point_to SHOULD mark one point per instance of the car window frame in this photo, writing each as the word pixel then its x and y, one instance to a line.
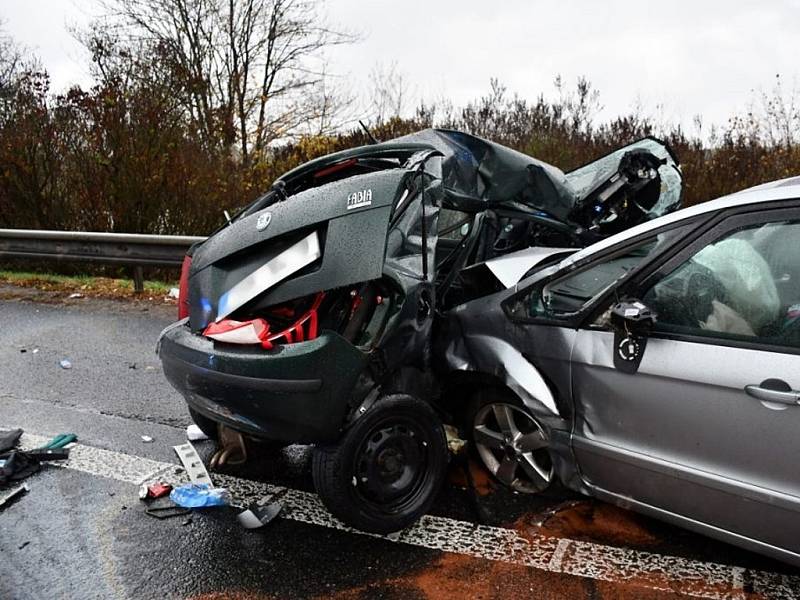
pixel 725 223
pixel 578 318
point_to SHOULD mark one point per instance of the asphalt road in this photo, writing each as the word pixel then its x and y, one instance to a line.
pixel 81 531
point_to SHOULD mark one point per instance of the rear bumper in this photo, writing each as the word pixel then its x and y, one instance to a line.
pixel 296 393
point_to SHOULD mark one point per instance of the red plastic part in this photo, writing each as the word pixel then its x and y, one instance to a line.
pixel 337 167
pixel 156 490
pixel 183 288
pixel 305 328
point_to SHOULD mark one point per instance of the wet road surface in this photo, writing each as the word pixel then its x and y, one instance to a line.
pixel 81 531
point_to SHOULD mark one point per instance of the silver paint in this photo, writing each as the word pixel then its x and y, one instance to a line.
pixel 509 269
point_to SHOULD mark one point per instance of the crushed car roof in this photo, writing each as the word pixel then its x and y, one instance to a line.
pixel 478 174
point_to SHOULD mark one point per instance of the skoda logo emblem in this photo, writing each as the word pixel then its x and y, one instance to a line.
pixel 263 221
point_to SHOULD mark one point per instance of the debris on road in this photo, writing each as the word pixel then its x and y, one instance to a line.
pixel 454 442
pixel 174 293
pixel 9 439
pixel 16 465
pixel 65 364
pixel 199 495
pixel 154 490
pixel 195 434
pixel 48 454
pixel 256 516
pixel 62 440
pixel 192 463
pixel 21 489
pixel 166 512
pixel 75 295
pixel 147 439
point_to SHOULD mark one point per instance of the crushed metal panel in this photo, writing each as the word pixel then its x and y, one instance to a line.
pixel 510 268
pixel 478 174
pixel 520 374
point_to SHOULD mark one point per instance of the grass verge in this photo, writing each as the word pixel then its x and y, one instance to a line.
pixel 105 287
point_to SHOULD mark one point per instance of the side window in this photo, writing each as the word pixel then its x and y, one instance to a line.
pixel 745 285
pixel 566 295
pixel 453 224
pixel 453 227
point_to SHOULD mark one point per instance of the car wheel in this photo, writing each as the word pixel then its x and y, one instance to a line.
pixel 206 425
pixel 385 471
pixel 511 443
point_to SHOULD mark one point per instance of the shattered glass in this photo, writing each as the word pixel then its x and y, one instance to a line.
pixel 587 178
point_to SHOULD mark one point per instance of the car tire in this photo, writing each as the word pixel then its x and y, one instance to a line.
pixel 509 441
pixel 385 471
pixel 206 425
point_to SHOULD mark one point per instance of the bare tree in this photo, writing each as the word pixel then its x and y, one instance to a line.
pixel 14 62
pixel 11 57
pixel 253 69
pixel 389 92
pixel 580 105
pixel 779 118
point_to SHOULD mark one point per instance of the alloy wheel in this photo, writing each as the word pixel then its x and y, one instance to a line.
pixel 513 446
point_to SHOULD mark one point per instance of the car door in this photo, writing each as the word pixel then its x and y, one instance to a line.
pixel 707 429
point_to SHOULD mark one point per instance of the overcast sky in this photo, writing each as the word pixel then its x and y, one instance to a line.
pixel 701 57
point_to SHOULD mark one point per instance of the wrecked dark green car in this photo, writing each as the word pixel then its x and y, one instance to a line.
pixel 309 317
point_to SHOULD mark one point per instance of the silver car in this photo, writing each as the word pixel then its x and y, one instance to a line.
pixel 658 369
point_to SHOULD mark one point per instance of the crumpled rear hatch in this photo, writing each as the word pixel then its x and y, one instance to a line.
pixel 318 239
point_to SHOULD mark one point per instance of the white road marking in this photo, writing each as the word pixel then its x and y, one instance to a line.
pixel 557 555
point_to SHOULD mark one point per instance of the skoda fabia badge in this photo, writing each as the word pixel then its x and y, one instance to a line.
pixel 263 221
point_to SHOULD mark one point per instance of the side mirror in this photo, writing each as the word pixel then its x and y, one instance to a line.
pixel 632 322
pixel 633 317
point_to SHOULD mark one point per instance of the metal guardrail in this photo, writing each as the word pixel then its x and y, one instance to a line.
pixel 129 249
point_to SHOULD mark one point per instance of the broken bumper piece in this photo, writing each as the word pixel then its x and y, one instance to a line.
pixel 296 392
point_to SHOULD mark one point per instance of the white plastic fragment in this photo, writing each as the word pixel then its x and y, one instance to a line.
pixel 21 489
pixel 147 439
pixel 248 520
pixel 75 295
pixel 65 364
pixel 257 516
pixel 174 293
pixel 195 434
pixel 192 463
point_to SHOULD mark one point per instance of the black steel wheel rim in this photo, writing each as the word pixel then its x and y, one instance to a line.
pixel 391 465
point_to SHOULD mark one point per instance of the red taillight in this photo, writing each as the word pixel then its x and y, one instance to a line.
pixel 183 288
pixel 334 168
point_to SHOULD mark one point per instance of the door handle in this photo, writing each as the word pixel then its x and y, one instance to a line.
pixel 765 394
